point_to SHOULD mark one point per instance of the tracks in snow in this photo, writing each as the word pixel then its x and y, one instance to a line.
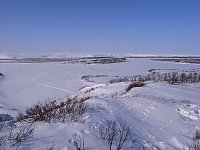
pixel 53 87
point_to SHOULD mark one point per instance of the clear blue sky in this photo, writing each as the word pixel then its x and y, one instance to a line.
pixel 136 26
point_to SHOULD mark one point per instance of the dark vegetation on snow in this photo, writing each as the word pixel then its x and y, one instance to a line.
pixel 82 60
pixel 174 77
pixel 69 109
pixel 1 74
pixel 100 59
pixel 171 78
pixel 180 60
pixel 135 84
pixel 196 141
pixel 116 135
pixel 14 131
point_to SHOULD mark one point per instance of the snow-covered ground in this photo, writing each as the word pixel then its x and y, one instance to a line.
pixel 161 116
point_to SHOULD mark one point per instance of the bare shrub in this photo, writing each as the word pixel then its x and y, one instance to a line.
pixel 51 147
pixel 71 109
pixel 2 141
pixel 2 123
pixel 197 135
pixel 135 84
pixel 173 78
pixel 4 135
pixel 15 134
pixel 196 141
pixel 21 133
pixel 195 145
pixel 52 111
pixel 117 135
pixel 78 142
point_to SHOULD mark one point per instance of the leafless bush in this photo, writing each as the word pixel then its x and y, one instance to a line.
pixel 176 78
pixel 71 110
pixel 195 145
pixel 117 134
pixel 52 111
pixel 78 142
pixel 2 141
pixel 196 135
pixel 2 125
pixel 15 134
pixel 135 84
pixel 51 147
pixel 196 141
pixel 3 136
pixel 5 119
pixel 21 133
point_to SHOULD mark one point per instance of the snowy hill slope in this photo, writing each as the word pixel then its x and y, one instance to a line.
pixel 160 115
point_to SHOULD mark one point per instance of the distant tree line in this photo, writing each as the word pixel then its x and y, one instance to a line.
pixel 171 78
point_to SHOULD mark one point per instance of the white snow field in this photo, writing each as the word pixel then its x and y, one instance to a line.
pixel 160 115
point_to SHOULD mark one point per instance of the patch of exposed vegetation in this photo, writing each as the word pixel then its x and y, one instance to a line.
pixel 70 109
pixel 20 129
pixel 117 135
pixel 14 134
pixel 15 131
pixel 135 84
pixel 84 60
pixel 196 141
pixel 195 60
pixel 171 78
pixel 97 60
pixel 89 78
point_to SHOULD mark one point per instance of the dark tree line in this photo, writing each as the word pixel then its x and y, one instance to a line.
pixel 171 78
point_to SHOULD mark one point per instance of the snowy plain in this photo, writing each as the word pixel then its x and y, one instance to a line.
pixel 161 115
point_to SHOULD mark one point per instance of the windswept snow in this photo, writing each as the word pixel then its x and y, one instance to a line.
pixel 161 116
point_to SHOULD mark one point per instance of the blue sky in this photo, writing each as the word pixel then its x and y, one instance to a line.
pixel 134 26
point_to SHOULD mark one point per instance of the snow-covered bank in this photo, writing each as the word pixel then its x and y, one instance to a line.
pixel 161 116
